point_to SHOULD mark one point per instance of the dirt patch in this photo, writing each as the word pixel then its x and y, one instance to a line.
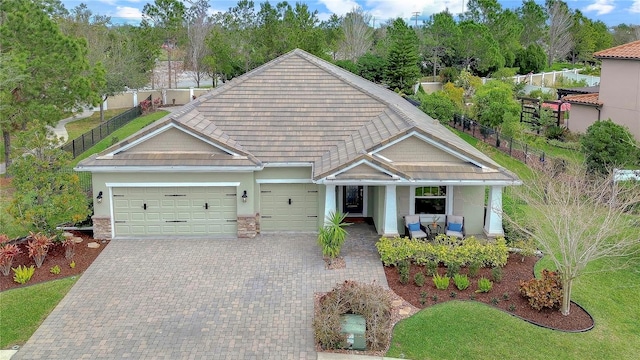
pixel 84 256
pixel 504 295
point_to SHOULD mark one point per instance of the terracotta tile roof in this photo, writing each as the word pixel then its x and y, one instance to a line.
pixel 585 99
pixel 629 51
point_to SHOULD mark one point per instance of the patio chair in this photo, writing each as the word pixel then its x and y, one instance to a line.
pixel 455 226
pixel 413 227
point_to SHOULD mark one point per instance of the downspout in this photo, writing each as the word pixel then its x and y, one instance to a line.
pixel 599 108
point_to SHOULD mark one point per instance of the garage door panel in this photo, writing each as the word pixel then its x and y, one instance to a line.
pixel 278 213
pixel 174 211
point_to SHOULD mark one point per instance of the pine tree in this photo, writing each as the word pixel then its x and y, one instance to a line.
pixel 402 61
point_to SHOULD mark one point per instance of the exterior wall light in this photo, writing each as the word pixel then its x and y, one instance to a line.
pixel 244 196
pixel 99 197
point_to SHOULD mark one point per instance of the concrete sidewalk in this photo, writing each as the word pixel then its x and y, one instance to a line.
pixel 335 356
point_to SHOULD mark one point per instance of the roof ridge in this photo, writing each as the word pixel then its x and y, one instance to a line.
pixel 605 52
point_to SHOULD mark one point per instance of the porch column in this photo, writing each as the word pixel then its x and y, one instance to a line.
pixel 390 212
pixel 493 220
pixel 135 98
pixel 329 201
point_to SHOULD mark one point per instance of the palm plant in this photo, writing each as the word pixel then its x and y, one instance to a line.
pixel 332 235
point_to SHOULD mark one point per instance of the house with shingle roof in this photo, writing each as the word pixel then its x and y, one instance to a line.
pixel 282 146
pixel 618 96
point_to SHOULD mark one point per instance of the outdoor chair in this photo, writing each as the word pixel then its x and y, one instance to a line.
pixel 455 226
pixel 413 227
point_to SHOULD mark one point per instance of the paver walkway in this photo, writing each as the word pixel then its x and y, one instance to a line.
pixel 222 299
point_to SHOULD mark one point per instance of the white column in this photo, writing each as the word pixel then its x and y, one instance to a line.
pixel 190 93
pixel 135 98
pixel 329 201
pixel 493 220
pixel 390 212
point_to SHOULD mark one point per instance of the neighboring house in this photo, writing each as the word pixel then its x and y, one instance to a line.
pixel 282 146
pixel 618 98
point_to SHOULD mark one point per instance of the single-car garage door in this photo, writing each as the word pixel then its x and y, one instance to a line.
pixel 179 211
pixel 288 207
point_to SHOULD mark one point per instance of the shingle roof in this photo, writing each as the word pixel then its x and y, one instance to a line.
pixel 585 99
pixel 299 108
pixel 630 51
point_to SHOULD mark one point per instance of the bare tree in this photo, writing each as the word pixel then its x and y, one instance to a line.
pixel 198 27
pixel 559 38
pixel 577 218
pixel 357 34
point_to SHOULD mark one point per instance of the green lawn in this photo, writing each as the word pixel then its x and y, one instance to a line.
pixel 23 310
pixel 79 127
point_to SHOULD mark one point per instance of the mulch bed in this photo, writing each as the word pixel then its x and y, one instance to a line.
pixel 83 257
pixel 504 295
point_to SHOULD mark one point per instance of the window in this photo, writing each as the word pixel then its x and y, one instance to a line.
pixel 430 199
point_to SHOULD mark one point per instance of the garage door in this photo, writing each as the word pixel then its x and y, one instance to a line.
pixel 180 211
pixel 289 207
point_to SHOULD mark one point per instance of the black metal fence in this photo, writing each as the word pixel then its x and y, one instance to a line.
pixel 85 141
pixel 514 148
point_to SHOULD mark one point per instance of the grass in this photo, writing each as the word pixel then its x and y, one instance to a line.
pixel 79 127
pixel 121 134
pixel 23 310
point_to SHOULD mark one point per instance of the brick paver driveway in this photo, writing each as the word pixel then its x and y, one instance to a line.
pixel 222 299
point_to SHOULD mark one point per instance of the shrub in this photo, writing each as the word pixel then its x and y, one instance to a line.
pixel 505 296
pixel 452 269
pixel 473 269
pixel 55 270
pixel 453 294
pixel 370 301
pixel 545 292
pixel 38 247
pixel 7 253
pixel 423 298
pixel 331 237
pixel 496 274
pixel 494 301
pixel 462 281
pixel 72 264
pixel 484 285
pixel 22 274
pixel 607 145
pixel 69 248
pixel 431 267
pixel 403 271
pixel 441 282
pixel 419 279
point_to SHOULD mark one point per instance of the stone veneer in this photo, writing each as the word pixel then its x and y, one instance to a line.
pixel 101 227
pixel 247 226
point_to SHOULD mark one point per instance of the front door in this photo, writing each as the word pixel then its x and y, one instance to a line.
pixel 352 199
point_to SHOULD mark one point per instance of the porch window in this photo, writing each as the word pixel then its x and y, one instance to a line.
pixel 430 199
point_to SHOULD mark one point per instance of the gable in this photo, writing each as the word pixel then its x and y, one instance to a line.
pixel 174 140
pixel 415 150
pixel 362 172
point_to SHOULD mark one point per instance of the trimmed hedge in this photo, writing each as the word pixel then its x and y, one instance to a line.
pixel 445 249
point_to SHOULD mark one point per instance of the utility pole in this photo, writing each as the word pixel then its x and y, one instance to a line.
pixel 416 13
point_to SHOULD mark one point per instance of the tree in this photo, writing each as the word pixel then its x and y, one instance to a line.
pixel 477 49
pixel 533 18
pixel 438 105
pixel 532 59
pixel 559 39
pixel 357 35
pixel 55 76
pixel 198 27
pixel 166 17
pixel 494 104
pixel 439 36
pixel 371 67
pixel 402 62
pixel 624 33
pixel 333 34
pixel 605 145
pixel 46 196
pixel 576 218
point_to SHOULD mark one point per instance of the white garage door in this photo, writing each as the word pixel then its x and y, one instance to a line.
pixel 289 207
pixel 180 211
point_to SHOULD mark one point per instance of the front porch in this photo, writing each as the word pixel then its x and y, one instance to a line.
pixel 386 205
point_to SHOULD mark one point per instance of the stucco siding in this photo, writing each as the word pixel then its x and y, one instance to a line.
pixel 473 208
pixel 363 171
pixel 413 149
pixel 581 117
pixel 620 87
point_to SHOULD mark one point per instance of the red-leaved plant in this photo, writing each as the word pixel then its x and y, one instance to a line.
pixel 69 248
pixel 38 247
pixel 7 253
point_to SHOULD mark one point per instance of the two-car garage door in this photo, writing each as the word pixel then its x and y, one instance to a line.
pixel 167 211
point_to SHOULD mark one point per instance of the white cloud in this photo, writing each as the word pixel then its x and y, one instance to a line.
pixel 390 9
pixel 635 7
pixel 339 7
pixel 601 7
pixel 127 12
pixel 108 2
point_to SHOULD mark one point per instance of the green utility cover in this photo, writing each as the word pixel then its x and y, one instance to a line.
pixel 354 326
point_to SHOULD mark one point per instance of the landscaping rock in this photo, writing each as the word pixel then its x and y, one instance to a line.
pixel 77 240
pixel 93 245
pixel 67 234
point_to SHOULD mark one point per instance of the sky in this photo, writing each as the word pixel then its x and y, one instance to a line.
pixel 611 12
